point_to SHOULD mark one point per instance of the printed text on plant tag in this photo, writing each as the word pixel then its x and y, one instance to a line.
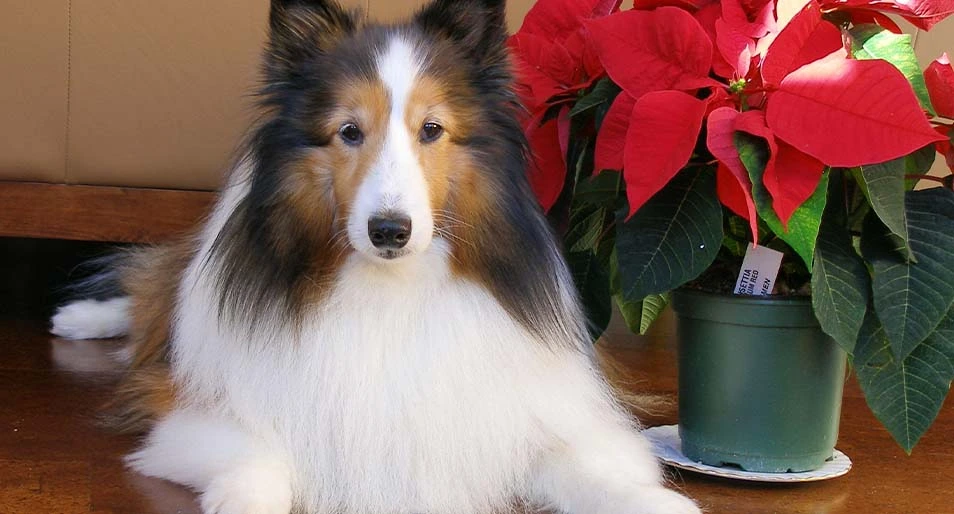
pixel 759 270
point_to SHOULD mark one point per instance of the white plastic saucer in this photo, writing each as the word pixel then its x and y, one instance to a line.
pixel 668 448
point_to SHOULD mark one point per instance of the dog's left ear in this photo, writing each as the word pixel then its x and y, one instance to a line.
pixel 478 26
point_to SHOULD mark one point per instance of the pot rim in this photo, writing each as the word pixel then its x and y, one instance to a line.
pixel 746 299
pixel 752 311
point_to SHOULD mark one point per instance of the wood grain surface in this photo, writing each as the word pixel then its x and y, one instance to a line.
pixel 95 213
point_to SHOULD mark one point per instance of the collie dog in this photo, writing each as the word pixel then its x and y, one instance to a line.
pixel 376 317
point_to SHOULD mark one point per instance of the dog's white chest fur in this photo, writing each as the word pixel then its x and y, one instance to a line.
pixel 408 390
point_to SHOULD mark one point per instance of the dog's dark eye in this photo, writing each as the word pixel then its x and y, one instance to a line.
pixel 431 132
pixel 351 134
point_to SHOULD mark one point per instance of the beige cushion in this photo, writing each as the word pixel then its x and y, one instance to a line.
pixel 157 89
pixel 135 92
pixel 33 81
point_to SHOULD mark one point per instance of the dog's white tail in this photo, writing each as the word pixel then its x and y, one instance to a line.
pixel 92 319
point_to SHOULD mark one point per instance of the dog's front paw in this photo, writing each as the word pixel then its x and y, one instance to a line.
pixel 249 490
pixel 659 500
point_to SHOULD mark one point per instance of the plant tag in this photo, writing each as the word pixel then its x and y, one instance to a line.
pixel 759 270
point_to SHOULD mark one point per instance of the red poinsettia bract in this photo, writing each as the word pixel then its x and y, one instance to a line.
pixel 939 78
pixel 554 60
pixel 778 70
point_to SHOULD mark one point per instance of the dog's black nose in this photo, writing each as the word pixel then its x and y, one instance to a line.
pixel 392 231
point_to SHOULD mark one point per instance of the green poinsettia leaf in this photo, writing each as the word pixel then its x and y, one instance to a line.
pixel 672 238
pixel 603 190
pixel 884 187
pixel 653 306
pixel 639 316
pixel 905 394
pixel 871 41
pixel 595 200
pixel 840 281
pixel 602 93
pixel 738 236
pixel 920 161
pixel 586 228
pixel 805 221
pixel 592 280
pixel 911 298
pixel 579 156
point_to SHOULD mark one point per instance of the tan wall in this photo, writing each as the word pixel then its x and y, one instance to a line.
pixel 158 87
pixel 33 85
pixel 395 9
pixel 135 92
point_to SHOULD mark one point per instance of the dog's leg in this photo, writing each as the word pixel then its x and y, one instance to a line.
pixel 235 473
pixel 606 468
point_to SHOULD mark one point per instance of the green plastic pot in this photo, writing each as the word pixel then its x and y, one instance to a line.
pixel 760 384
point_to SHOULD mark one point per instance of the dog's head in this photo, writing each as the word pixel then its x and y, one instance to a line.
pixel 376 140
pixel 381 131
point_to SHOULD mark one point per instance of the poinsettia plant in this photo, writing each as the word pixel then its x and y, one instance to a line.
pixel 670 136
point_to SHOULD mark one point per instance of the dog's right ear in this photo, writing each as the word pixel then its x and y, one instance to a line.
pixel 301 29
pixel 479 27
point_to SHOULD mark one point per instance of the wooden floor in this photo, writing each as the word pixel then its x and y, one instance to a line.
pixel 54 459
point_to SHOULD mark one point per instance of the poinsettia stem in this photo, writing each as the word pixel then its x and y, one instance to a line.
pixel 606 230
pixel 706 164
pixel 932 178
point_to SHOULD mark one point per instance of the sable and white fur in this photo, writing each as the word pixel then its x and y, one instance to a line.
pixel 283 362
